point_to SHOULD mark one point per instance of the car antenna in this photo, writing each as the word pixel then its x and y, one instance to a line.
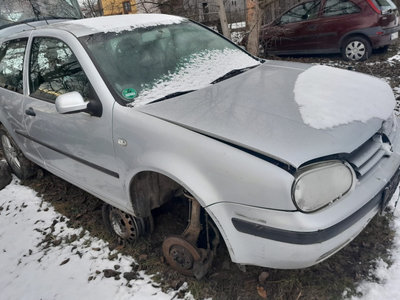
pixel 37 12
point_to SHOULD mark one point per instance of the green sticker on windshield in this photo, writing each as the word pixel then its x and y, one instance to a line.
pixel 129 93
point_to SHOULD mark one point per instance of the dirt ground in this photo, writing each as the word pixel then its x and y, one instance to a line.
pixel 331 279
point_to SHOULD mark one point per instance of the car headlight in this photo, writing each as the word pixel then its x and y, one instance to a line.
pixel 319 184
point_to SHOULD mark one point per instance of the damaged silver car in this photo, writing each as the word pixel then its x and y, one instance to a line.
pixel 284 162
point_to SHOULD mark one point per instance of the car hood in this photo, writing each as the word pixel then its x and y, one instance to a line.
pixel 259 110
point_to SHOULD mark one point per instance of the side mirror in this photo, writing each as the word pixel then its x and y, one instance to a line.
pixel 70 102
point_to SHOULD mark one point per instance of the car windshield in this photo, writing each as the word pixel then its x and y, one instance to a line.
pixel 18 11
pixel 145 64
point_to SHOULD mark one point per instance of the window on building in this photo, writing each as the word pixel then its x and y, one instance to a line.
pixel 127 7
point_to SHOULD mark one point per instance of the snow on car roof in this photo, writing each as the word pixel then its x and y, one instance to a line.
pixel 88 26
pixel 116 23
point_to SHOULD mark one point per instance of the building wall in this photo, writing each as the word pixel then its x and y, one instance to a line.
pixel 116 7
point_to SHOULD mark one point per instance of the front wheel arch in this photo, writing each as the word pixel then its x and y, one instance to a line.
pixel 143 209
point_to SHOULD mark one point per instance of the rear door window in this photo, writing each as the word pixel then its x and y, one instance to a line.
pixel 54 70
pixel 11 65
pixel 340 7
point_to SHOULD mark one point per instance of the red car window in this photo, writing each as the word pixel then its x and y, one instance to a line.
pixel 304 11
pixel 340 7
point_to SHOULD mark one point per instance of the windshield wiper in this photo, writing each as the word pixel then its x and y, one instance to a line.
pixel 172 95
pixel 61 18
pixel 232 73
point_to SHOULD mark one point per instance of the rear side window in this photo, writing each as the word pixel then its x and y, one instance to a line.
pixel 11 65
pixel 302 12
pixel 54 70
pixel 340 7
pixel 384 5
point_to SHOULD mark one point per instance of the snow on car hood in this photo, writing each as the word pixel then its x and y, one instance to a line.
pixel 266 110
pixel 342 102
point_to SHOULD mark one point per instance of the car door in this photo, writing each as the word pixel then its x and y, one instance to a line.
pixel 12 55
pixel 338 17
pixel 296 29
pixel 77 146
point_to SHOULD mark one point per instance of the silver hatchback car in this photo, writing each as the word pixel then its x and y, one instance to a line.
pixel 285 162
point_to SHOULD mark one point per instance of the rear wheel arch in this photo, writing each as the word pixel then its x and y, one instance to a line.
pixel 20 165
pixel 352 34
pixel 359 37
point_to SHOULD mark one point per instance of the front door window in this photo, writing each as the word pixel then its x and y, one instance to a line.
pixel 54 70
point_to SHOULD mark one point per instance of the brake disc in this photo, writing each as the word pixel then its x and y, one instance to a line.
pixel 181 254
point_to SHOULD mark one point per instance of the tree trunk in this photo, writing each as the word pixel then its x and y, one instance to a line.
pixel 254 18
pixel 224 21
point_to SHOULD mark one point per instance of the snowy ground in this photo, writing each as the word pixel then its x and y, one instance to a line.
pixel 388 287
pixel 41 258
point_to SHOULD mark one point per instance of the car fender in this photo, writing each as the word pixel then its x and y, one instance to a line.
pixel 209 169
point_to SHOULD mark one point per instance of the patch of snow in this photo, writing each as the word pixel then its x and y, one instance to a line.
pixel 395 58
pixel 237 25
pixel 127 22
pixel 397 91
pixel 329 97
pixel 32 270
pixel 237 36
pixel 388 287
pixel 195 72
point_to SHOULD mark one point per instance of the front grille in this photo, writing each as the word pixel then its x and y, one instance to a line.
pixel 368 155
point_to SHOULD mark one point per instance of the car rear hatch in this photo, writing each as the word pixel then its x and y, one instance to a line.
pixel 389 14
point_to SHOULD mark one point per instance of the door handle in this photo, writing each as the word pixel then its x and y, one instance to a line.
pixel 312 27
pixel 30 112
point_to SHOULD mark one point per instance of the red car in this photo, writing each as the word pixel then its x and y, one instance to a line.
pixel 350 27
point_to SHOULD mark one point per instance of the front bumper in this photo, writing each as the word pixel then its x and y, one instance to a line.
pixel 292 239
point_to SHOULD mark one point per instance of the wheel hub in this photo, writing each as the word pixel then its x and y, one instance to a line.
pixel 180 254
pixel 124 225
pixel 355 50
